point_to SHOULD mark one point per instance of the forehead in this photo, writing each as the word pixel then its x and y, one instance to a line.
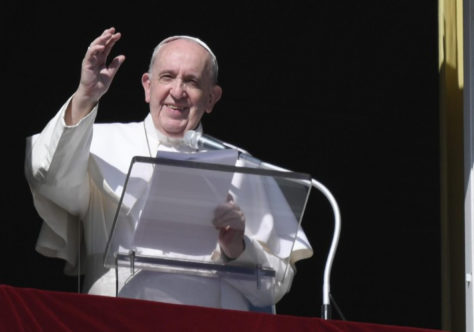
pixel 182 55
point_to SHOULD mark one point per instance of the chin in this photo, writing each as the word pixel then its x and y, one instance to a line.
pixel 175 130
pixel 176 133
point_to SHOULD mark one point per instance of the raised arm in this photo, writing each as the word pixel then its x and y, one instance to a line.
pixel 96 76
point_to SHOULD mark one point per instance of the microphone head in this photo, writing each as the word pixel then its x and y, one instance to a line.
pixel 191 139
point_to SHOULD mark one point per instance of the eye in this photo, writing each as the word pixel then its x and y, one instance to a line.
pixel 166 77
pixel 193 82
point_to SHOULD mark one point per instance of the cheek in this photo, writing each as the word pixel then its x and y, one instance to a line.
pixel 203 103
pixel 195 117
pixel 154 96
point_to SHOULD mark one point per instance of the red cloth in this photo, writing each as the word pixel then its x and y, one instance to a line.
pixel 24 309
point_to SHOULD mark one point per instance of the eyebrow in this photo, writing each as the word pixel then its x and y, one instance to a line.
pixel 190 76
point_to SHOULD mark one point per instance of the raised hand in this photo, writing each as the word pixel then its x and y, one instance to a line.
pixel 96 75
pixel 230 221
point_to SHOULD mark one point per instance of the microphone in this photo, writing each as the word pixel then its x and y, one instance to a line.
pixel 197 140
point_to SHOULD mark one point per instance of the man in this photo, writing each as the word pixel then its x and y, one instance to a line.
pixel 76 170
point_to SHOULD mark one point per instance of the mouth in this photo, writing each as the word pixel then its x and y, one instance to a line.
pixel 175 109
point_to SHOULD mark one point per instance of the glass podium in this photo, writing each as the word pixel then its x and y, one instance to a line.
pixel 166 223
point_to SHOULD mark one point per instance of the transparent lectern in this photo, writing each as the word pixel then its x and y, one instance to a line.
pixel 164 221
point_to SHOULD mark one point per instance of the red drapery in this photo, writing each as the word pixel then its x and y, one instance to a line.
pixel 24 309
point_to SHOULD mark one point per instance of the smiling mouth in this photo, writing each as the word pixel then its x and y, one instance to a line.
pixel 176 108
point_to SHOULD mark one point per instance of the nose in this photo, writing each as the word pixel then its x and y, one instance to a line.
pixel 178 89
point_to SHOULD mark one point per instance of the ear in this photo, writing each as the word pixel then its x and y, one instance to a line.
pixel 214 96
pixel 146 83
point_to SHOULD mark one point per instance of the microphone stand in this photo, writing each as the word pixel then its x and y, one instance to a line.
pixel 326 310
pixel 197 140
pixel 326 306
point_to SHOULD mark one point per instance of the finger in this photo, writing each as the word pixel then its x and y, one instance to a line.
pixel 106 41
pixel 230 213
pixel 224 208
pixel 232 220
pixel 232 226
pixel 103 38
pixel 94 51
pixel 100 51
pixel 226 235
pixel 110 43
pixel 229 223
pixel 225 211
pixel 115 65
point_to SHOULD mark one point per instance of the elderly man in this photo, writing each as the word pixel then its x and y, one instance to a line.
pixel 76 170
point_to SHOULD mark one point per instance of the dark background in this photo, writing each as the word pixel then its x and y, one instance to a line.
pixel 345 91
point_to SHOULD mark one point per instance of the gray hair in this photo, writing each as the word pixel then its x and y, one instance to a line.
pixel 214 67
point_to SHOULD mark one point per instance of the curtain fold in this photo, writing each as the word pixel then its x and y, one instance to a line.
pixel 451 85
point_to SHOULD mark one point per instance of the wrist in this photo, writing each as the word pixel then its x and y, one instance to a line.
pixel 78 108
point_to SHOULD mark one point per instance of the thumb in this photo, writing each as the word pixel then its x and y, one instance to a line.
pixel 115 65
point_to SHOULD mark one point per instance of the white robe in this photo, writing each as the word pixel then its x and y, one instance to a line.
pixel 76 175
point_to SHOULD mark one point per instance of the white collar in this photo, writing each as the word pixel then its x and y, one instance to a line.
pixel 157 138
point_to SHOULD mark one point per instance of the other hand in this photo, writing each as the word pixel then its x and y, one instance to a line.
pixel 230 221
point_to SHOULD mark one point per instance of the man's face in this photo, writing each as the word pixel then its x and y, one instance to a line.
pixel 180 89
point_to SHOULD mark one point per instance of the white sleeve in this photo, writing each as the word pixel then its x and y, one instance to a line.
pixel 56 170
pixel 270 290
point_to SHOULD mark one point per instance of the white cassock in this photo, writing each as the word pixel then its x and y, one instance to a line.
pixel 76 175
